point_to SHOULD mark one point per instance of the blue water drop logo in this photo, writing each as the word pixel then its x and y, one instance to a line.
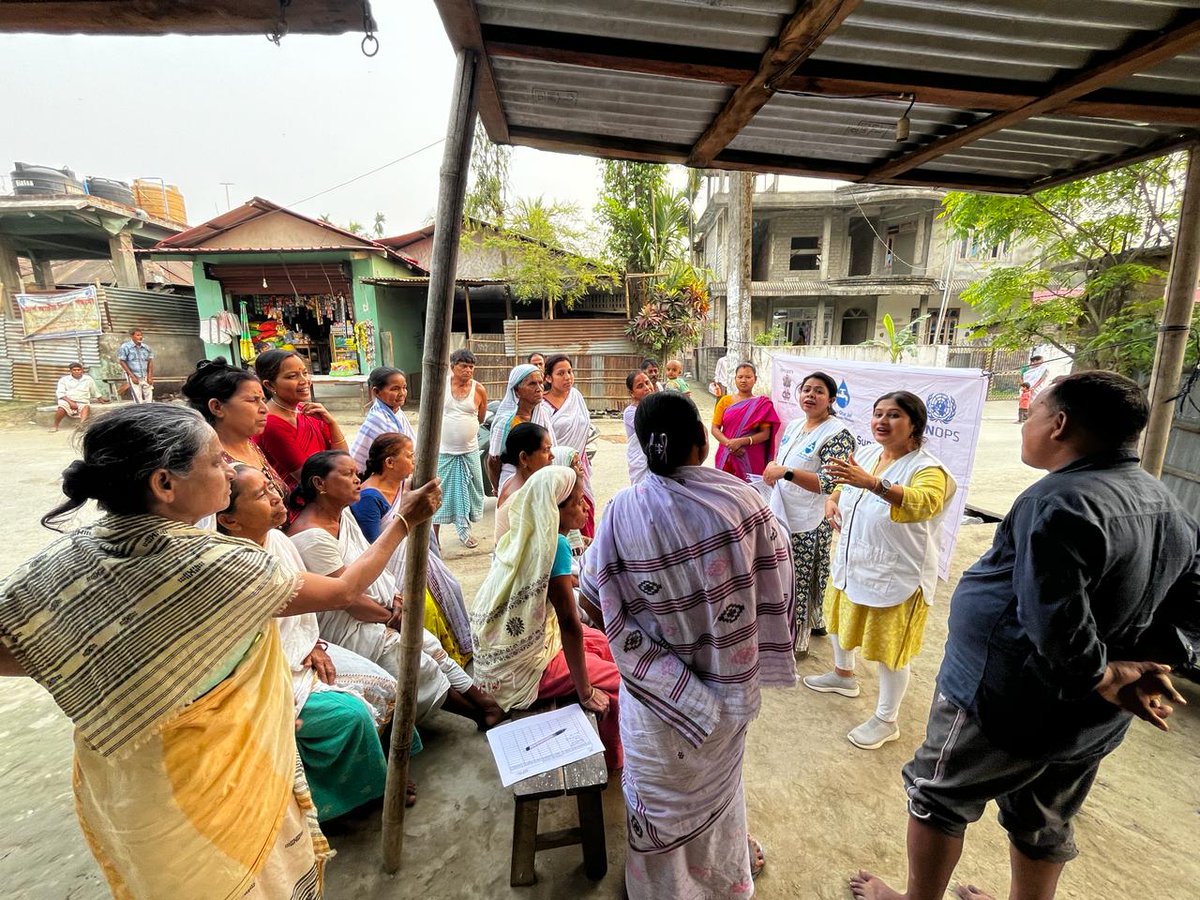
pixel 843 395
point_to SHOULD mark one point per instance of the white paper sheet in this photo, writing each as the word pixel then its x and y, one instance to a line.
pixel 537 744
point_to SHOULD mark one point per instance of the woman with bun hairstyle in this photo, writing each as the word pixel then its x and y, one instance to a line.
pixel 527 449
pixel 694 577
pixel 799 486
pixel 158 640
pixel 889 506
pixel 233 403
pixel 296 427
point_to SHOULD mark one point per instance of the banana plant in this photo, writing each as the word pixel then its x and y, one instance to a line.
pixel 897 342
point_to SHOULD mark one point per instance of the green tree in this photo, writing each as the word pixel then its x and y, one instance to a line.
pixel 541 248
pixel 663 234
pixel 625 206
pixel 380 222
pixel 896 341
pixel 674 313
pixel 1094 278
pixel 491 165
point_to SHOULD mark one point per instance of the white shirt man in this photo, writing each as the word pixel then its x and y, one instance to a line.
pixel 74 393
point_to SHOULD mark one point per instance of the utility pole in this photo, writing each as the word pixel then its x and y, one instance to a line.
pixel 227 185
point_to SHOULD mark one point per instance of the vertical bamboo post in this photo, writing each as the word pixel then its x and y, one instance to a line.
pixel 1176 322
pixel 460 132
pixel 467 301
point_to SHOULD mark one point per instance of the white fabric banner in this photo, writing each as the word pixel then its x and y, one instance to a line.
pixel 954 399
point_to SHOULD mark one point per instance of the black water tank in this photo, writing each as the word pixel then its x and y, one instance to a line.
pixel 110 189
pixel 31 181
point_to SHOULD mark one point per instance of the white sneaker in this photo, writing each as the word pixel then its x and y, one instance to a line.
pixel 832 683
pixel 874 733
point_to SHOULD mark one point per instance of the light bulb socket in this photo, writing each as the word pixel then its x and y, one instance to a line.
pixel 903 127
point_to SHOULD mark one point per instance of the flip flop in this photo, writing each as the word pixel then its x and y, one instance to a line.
pixel 756 852
pixel 470 543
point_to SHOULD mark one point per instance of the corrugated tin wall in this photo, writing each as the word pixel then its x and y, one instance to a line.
pixel 1181 469
pixel 571 336
pixel 29 370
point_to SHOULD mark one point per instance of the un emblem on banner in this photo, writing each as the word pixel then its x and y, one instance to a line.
pixel 941 407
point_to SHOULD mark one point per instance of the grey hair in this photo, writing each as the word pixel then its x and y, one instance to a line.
pixel 123 449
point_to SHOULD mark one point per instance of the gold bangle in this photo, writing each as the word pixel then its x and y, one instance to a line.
pixel 407 527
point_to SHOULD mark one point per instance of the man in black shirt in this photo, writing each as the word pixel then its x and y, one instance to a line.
pixel 1068 625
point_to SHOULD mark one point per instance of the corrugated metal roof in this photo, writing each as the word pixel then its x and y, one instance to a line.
pixel 645 80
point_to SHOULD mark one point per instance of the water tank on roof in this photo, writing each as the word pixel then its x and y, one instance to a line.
pixel 35 181
pixel 110 189
pixel 160 200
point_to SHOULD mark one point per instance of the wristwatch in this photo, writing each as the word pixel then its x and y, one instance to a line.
pixel 789 475
pixel 884 487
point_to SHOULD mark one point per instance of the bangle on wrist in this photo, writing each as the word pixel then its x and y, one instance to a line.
pixel 407 527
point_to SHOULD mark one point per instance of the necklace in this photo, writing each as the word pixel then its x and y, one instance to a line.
pixel 291 410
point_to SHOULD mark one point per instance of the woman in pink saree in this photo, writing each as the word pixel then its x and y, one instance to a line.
pixel 744 426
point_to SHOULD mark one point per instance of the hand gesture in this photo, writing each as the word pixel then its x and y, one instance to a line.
pixel 1139 688
pixel 833 514
pixel 772 473
pixel 597 702
pixel 421 504
pixel 316 409
pixel 318 660
pixel 848 471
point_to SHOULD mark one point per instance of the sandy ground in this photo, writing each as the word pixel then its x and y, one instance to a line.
pixel 821 807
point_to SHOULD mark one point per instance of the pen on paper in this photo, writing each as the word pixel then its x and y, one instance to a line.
pixel 541 741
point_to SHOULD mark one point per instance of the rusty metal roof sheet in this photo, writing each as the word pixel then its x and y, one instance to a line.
pixel 1007 95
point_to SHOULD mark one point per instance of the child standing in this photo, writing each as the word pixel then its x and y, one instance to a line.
pixel 1023 401
pixel 675 380
pixel 638 383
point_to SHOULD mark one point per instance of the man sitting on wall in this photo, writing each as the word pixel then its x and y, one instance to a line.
pixel 74 393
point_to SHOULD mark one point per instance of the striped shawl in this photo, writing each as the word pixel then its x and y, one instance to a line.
pixel 694 575
pixel 121 621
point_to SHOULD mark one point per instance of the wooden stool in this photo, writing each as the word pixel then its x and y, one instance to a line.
pixel 583 780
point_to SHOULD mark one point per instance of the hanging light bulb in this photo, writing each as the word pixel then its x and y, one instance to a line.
pixel 264 281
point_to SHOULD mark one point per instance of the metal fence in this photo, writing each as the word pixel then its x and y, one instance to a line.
pixel 1002 367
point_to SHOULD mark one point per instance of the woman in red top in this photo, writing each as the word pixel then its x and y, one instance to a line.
pixel 296 427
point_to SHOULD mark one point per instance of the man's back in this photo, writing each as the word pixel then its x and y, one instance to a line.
pixel 1077 576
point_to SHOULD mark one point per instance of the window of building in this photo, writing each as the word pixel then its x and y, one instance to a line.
pixel 949 330
pixel 974 247
pixel 806 254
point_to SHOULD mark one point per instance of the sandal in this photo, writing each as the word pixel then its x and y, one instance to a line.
pixel 758 858
pixel 470 543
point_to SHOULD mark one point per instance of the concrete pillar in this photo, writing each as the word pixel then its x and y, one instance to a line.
pixel 10 277
pixel 818 336
pixel 43 273
pixel 737 255
pixel 826 244
pixel 120 249
pixel 923 309
pixel 140 267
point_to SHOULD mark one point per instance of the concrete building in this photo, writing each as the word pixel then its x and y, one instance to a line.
pixel 827 264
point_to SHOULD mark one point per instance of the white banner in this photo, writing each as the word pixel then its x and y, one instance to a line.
pixel 953 398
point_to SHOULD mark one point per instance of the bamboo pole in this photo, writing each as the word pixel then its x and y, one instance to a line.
pixel 1176 322
pixel 460 132
pixel 467 301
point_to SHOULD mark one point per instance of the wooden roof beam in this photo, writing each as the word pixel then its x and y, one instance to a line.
pixel 461 20
pixel 831 80
pixel 1142 52
pixel 204 17
pixel 799 38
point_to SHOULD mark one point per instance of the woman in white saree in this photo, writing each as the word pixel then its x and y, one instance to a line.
pixel 572 425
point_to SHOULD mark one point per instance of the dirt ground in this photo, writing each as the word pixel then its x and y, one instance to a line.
pixel 821 807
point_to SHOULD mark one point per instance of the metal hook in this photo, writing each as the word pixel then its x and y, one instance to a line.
pixel 281 25
pixel 369 30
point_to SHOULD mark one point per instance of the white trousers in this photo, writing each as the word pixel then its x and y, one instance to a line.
pixel 142 392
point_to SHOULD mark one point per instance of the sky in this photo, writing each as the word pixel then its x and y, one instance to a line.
pixel 282 123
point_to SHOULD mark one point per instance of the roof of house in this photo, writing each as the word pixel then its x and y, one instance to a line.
pixel 198 238
pixel 1009 95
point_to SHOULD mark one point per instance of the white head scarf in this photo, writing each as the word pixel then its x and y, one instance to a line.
pixel 507 408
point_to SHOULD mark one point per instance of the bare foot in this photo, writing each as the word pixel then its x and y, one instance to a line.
pixel 410 793
pixel 758 859
pixel 492 716
pixel 970 892
pixel 865 886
